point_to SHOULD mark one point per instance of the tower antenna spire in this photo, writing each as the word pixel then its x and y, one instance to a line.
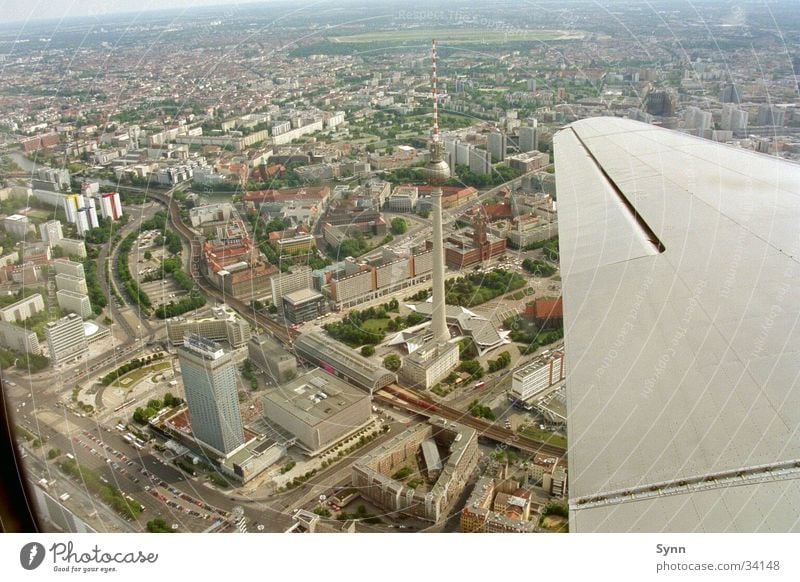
pixel 434 81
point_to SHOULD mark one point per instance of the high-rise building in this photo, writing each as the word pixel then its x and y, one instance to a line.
pixel 23 309
pixel 731 93
pixel 75 302
pixel 66 338
pixel 529 137
pixel 71 205
pixel 110 206
pixel 19 339
pixel 17 225
pixel 537 376
pixel 66 282
pixel 297 279
pixel 498 144
pixel 65 266
pixel 209 378
pixel 696 118
pixel 770 115
pixel 661 102
pixel 51 232
pixel 733 118
pixel 82 221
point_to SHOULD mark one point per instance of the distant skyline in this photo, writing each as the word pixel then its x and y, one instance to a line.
pixel 21 11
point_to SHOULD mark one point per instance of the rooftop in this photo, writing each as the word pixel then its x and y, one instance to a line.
pixel 302 296
pixel 314 397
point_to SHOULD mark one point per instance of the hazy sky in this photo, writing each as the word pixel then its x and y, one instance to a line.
pixel 22 10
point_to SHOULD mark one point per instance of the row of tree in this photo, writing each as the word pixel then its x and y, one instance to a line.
pixel 134 364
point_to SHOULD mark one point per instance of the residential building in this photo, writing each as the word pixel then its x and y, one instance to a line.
pixel 537 376
pixel 19 339
pixel 110 206
pixel 529 137
pixel 434 491
pixel 296 279
pixel 51 232
pixel 73 247
pixel 731 93
pixel 528 161
pixel 23 309
pixel 74 302
pixel 209 379
pixel 771 115
pixel 498 144
pixel 68 267
pixel 480 161
pixel 17 225
pixel 499 506
pixel 71 283
pixel 733 118
pixel 318 409
pixel 696 119
pixel 66 339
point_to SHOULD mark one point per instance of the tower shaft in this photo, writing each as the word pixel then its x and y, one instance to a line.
pixel 439 319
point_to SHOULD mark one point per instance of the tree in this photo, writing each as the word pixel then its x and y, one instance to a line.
pixel 392 362
pixel 367 351
pixel 399 226
pixel 158 525
pixel 148 255
pixel 472 367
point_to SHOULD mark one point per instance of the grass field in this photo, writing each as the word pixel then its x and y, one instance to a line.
pixel 375 325
pixel 544 436
pixel 456 36
pixel 135 376
pixel 41 214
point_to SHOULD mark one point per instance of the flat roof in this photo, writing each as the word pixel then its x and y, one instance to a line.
pixel 302 397
pixel 301 296
pixel 679 259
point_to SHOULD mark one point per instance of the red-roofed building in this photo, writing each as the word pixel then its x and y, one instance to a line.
pixel 547 313
pixel 317 194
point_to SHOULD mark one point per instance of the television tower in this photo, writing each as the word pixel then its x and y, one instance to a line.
pixel 437 172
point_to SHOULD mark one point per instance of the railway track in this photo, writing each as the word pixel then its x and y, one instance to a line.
pixel 287 335
pixel 397 396
pixel 281 332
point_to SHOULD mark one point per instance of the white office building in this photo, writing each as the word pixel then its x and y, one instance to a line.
pixel 66 338
pixel 209 379
pixel 537 376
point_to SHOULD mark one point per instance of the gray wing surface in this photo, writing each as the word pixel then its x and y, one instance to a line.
pixel 681 281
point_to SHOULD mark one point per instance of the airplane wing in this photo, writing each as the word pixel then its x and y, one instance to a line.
pixel 679 261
